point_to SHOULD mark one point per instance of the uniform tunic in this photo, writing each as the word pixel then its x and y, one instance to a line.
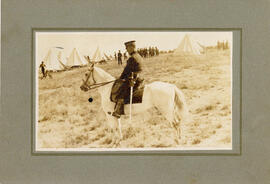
pixel 119 56
pixel 133 65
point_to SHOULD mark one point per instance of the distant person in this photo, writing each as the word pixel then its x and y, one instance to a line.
pixel 157 51
pixel 144 52
pixel 227 45
pixel 43 69
pixel 115 56
pixel 125 56
pixel 119 58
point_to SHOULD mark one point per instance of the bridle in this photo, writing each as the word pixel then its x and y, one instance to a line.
pixel 95 85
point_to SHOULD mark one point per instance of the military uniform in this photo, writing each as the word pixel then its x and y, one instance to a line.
pixel 119 58
pixel 125 56
pixel 133 65
pixel 123 85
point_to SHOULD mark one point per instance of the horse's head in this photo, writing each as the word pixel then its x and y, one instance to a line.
pixel 89 79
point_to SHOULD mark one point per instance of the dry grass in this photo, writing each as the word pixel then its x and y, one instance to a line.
pixel 67 120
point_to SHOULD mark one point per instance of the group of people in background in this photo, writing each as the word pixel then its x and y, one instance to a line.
pixel 119 57
pixel 144 52
pixel 222 45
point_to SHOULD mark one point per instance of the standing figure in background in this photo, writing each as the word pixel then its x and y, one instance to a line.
pixel 157 51
pixel 125 56
pixel 43 69
pixel 119 58
pixel 115 56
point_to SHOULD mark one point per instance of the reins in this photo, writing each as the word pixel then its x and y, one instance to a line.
pixel 97 85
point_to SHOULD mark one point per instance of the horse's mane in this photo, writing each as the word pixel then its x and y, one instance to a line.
pixel 103 74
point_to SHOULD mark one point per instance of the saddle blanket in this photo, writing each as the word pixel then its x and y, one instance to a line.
pixel 136 97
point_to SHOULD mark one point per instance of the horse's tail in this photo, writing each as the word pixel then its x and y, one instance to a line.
pixel 181 112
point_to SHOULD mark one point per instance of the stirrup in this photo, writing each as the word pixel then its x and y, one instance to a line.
pixel 116 115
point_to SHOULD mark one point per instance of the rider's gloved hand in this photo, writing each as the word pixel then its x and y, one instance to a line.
pixel 121 80
pixel 132 82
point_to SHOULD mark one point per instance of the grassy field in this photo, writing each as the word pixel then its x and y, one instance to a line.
pixel 67 120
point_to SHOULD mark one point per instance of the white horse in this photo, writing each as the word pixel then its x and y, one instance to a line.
pixel 167 98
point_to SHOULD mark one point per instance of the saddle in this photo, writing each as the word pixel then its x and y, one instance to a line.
pixel 137 96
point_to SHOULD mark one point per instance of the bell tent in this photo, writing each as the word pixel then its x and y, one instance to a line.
pixel 53 60
pixel 74 60
pixel 188 47
pixel 107 57
pixel 97 56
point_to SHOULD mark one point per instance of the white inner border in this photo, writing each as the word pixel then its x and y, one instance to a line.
pixel 119 149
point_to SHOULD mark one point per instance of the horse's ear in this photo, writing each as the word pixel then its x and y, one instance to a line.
pixel 91 67
pixel 87 58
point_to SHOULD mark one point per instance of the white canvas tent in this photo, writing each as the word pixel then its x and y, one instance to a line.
pixel 53 60
pixel 188 47
pixel 97 56
pixel 74 59
pixel 107 57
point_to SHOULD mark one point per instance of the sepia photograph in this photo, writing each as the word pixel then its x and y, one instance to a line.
pixel 149 92
pixel 133 90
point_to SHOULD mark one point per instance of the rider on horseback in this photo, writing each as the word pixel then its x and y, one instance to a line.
pixel 128 78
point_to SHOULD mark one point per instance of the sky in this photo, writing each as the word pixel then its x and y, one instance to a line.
pixel 109 42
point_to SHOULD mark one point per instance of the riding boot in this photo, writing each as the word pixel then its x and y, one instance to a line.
pixel 119 108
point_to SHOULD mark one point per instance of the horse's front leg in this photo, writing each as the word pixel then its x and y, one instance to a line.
pixel 120 128
pixel 114 126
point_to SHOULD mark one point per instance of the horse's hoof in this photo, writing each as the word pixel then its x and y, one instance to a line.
pixel 177 141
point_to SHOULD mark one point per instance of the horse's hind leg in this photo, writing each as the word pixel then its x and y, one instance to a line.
pixel 176 127
pixel 174 122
